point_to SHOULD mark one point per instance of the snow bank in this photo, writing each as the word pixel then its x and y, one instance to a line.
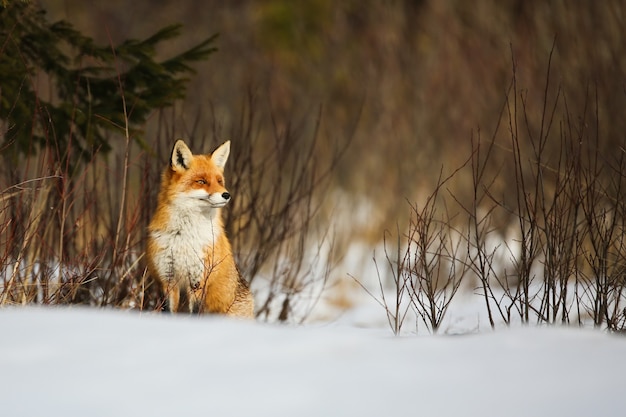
pixel 76 362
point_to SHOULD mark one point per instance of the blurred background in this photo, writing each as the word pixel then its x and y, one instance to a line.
pixel 406 81
pixel 399 91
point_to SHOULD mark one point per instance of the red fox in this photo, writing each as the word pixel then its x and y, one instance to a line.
pixel 188 251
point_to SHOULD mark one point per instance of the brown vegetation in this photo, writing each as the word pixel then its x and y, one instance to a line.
pixel 417 76
pixel 411 87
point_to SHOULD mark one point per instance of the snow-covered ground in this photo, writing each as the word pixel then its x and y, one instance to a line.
pixel 79 362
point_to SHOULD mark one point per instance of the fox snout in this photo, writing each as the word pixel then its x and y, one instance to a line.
pixel 219 199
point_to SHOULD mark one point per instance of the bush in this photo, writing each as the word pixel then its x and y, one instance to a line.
pixel 560 257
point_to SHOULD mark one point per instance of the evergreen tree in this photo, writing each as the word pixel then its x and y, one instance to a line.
pixel 91 85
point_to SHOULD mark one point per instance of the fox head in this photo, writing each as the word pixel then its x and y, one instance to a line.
pixel 197 180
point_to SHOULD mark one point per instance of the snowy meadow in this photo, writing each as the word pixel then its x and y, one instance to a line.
pixel 408 256
pixel 76 362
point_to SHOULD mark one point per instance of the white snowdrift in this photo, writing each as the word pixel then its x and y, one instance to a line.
pixel 76 362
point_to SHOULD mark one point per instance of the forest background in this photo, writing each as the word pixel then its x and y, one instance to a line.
pixel 360 118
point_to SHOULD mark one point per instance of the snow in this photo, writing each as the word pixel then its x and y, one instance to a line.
pixel 87 362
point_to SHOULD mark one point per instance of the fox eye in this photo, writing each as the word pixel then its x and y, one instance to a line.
pixel 201 181
pixel 220 181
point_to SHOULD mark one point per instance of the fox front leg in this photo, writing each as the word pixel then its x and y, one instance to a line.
pixel 172 293
pixel 195 294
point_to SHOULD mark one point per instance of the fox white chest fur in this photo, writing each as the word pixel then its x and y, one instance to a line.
pixel 185 241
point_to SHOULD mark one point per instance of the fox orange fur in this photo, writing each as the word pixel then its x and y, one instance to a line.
pixel 188 250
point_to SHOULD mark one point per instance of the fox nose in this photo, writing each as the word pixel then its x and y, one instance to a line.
pixel 226 196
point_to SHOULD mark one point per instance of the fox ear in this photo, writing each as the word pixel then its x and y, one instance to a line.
pixel 181 156
pixel 220 155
